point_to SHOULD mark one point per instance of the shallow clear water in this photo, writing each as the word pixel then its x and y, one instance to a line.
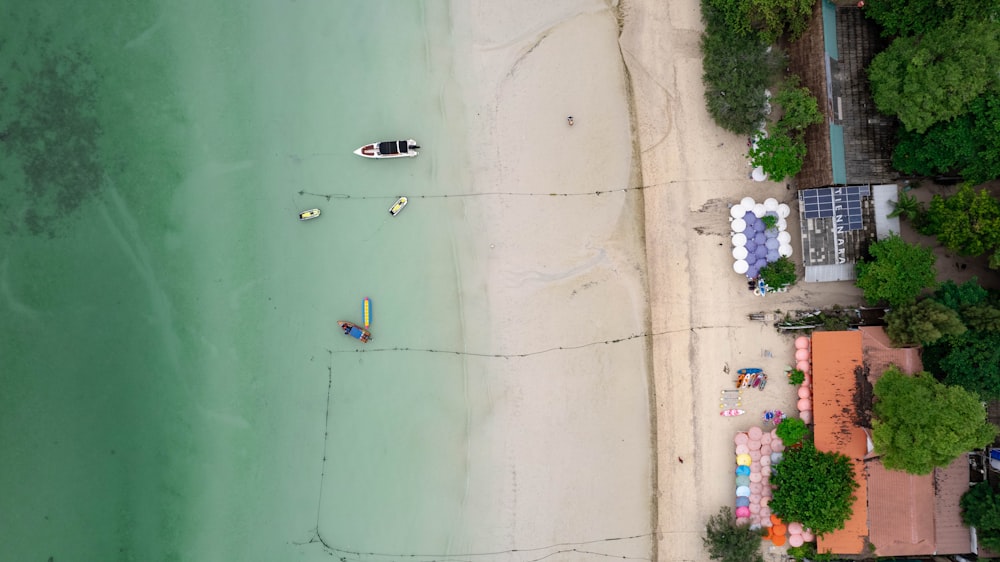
pixel 172 383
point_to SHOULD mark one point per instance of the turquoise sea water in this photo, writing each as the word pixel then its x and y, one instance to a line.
pixel 172 384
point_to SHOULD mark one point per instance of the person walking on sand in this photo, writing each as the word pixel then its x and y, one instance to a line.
pixel 570 120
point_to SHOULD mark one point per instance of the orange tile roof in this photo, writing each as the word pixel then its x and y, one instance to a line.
pixel 835 355
pixel 901 511
pixel 879 353
pixel 950 482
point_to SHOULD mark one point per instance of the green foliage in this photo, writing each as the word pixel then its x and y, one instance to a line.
pixel 807 552
pixel 971 361
pixel 915 17
pixel 780 155
pixel 736 71
pixel 770 221
pixel 967 223
pixel 965 145
pixel 896 273
pixel 923 322
pixel 813 488
pixel 799 106
pixel 934 77
pixel 727 541
pixel 957 297
pixel 920 424
pixel 981 509
pixel 792 430
pixel 780 273
pixel 982 317
pixel 769 19
pixel 907 207
pixel 796 377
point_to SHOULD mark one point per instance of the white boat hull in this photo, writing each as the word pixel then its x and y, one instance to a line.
pixel 389 149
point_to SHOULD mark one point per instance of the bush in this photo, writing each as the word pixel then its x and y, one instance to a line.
pixel 780 155
pixel 727 541
pixel 796 377
pixel 779 274
pixel 981 509
pixel 791 431
pixel 799 106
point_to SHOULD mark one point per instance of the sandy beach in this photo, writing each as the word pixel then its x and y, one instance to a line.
pixel 699 307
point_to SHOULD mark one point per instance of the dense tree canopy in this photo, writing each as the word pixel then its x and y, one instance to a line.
pixel 769 19
pixel 792 430
pixel 934 77
pixel 981 509
pixel 965 145
pixel 923 322
pixel 799 108
pixel 967 223
pixel 915 17
pixel 736 71
pixel 813 488
pixel 728 541
pixel 896 273
pixel 970 360
pixel 778 274
pixel 957 297
pixel 780 155
pixel 921 424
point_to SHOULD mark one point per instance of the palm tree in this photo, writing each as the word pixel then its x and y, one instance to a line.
pixel 907 207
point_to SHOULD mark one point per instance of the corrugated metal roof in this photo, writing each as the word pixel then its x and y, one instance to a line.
pixel 879 353
pixel 881 196
pixel 950 534
pixel 835 356
pixel 900 511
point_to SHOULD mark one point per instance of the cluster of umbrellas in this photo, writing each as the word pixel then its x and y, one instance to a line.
pixel 755 245
pixel 756 451
pixel 802 363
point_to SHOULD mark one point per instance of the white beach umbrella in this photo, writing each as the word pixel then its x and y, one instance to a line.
pixel 785 250
pixel 739 239
pixel 782 224
pixel 740 253
pixel 771 204
pixel 737 211
pixel 741 266
pixel 783 210
pixel 758 174
pixel 759 210
pixel 748 203
pixel 738 225
pixel 784 237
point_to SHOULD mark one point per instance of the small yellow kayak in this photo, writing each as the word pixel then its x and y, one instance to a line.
pixel 397 206
pixel 310 214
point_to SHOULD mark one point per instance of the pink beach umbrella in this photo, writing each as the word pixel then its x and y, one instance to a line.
pixel 795 540
pixel 801 342
pixel 755 498
pixel 754 457
pixel 805 404
pixel 754 445
pixel 754 433
pixel 765 470
pixel 801 354
pixel 806 416
pixel 803 366
pixel 807 535
pixel 765 512
pixel 742 511
pixel 741 438
pixel 804 392
pixel 754 507
pixel 755 478
pixel 755 487
pixel 742 520
pixel 742 449
pixel 765 460
pixel 764 501
pixel 795 528
pixel 765 439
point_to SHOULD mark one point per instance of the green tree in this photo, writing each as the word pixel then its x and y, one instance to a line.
pixel 814 488
pixel 981 509
pixel 778 274
pixel 920 424
pixel 957 297
pixel 736 71
pixel 907 207
pixel 982 317
pixel 915 17
pixel 970 360
pixel 780 155
pixel 923 322
pixel 934 77
pixel 967 223
pixel 769 19
pixel 728 541
pixel 965 145
pixel 792 430
pixel 896 273
pixel 799 107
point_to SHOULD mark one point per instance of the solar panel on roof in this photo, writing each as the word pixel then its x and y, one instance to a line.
pixel 843 204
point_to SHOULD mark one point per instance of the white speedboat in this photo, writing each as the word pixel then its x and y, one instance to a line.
pixel 389 149
pixel 397 206
pixel 310 214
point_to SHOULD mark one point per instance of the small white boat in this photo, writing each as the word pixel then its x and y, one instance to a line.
pixel 397 206
pixel 389 149
pixel 310 214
